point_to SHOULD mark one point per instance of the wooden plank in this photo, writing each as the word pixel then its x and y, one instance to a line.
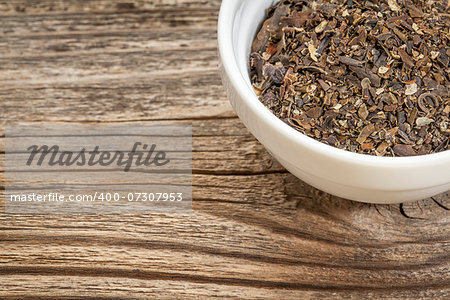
pixel 220 146
pixel 81 287
pixel 25 7
pixel 256 231
pixel 273 232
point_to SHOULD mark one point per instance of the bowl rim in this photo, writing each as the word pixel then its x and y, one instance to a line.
pixel 230 66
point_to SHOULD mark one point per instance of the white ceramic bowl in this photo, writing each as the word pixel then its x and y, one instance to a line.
pixel 349 175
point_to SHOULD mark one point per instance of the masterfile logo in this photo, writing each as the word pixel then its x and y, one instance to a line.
pixel 54 156
pixel 98 169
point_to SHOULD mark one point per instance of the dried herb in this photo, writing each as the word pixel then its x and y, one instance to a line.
pixel 365 76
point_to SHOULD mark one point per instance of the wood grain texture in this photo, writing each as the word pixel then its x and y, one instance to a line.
pixel 256 232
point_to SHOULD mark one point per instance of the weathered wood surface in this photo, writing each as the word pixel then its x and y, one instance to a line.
pixel 256 231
